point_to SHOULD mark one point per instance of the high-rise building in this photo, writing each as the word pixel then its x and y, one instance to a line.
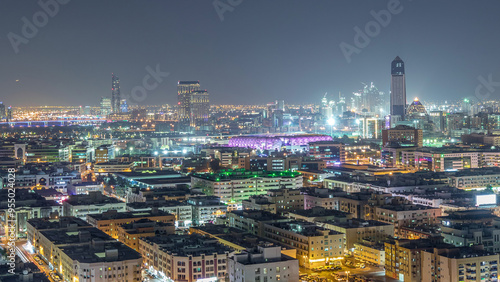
pixel 184 90
pixel 3 114
pixel 123 106
pixel 398 88
pixel 115 94
pixel 105 106
pixel 9 113
pixel 199 107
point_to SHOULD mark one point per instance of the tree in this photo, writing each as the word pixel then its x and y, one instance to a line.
pixel 215 165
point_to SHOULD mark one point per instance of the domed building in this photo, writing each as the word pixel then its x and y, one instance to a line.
pixel 416 110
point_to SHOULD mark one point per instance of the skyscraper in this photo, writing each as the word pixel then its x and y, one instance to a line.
pixel 9 113
pixel 199 108
pixel 184 90
pixel 3 114
pixel 123 106
pixel 115 94
pixel 105 106
pixel 398 88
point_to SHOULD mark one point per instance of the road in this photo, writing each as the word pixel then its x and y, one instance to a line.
pixel 26 255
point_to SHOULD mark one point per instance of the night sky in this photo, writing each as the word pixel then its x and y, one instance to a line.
pixel 263 50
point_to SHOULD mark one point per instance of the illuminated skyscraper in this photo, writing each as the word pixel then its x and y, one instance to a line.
pixel 115 94
pixel 9 113
pixel 199 107
pixel 184 90
pixel 123 106
pixel 105 106
pixel 398 88
pixel 3 114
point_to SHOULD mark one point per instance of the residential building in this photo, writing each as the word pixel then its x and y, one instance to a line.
pixel 459 264
pixel 110 220
pixel 234 186
pixel 315 246
pixel 263 263
pixel 206 209
pixel 130 233
pixel 93 203
pixel 185 258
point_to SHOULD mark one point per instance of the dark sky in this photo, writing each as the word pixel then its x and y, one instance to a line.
pixel 263 50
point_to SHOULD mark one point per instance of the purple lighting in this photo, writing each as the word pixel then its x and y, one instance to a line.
pixel 272 142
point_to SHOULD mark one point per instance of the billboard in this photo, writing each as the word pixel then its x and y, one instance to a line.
pixel 486 200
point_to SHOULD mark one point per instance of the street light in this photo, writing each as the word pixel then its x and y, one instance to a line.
pixel 331 122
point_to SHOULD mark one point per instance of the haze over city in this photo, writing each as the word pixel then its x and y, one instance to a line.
pixel 261 49
pixel 249 140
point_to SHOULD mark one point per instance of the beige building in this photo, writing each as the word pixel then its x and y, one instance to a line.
pixel 286 199
pixel 315 246
pixel 79 252
pixel 459 264
pixel 185 258
pixel 371 252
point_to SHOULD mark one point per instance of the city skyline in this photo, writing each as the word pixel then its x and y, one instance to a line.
pixel 251 61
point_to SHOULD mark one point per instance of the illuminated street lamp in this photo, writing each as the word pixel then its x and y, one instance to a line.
pixel 331 123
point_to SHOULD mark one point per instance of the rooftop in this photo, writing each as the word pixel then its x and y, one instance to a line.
pixel 303 228
pixel 187 245
pixel 113 214
pixel 227 175
pixel 108 251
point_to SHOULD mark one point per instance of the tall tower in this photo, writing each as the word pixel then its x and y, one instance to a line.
pixel 199 108
pixel 398 88
pixel 184 90
pixel 115 94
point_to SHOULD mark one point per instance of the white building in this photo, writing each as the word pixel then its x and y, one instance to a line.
pixel 263 263
pixel 234 186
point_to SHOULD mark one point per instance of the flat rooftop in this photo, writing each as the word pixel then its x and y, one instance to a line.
pixel 112 214
pixel 258 215
pixel 303 228
pixel 187 245
pixel 227 175
pixel 60 223
pixel 86 254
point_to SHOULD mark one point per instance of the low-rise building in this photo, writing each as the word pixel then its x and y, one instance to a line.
pixel 234 186
pixel 109 221
pixel 206 209
pixel 286 199
pixel 84 188
pixel 259 202
pixel 320 214
pixel 474 227
pixel 94 203
pixel 27 205
pixel 183 211
pixel 253 221
pixel 459 264
pixel 78 252
pixel 130 233
pixel 403 258
pixel 357 230
pixel 315 246
pixel 263 263
pixel 370 251
pixel 185 258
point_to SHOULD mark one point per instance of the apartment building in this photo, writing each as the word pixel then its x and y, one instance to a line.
pixel 315 246
pixel 185 258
